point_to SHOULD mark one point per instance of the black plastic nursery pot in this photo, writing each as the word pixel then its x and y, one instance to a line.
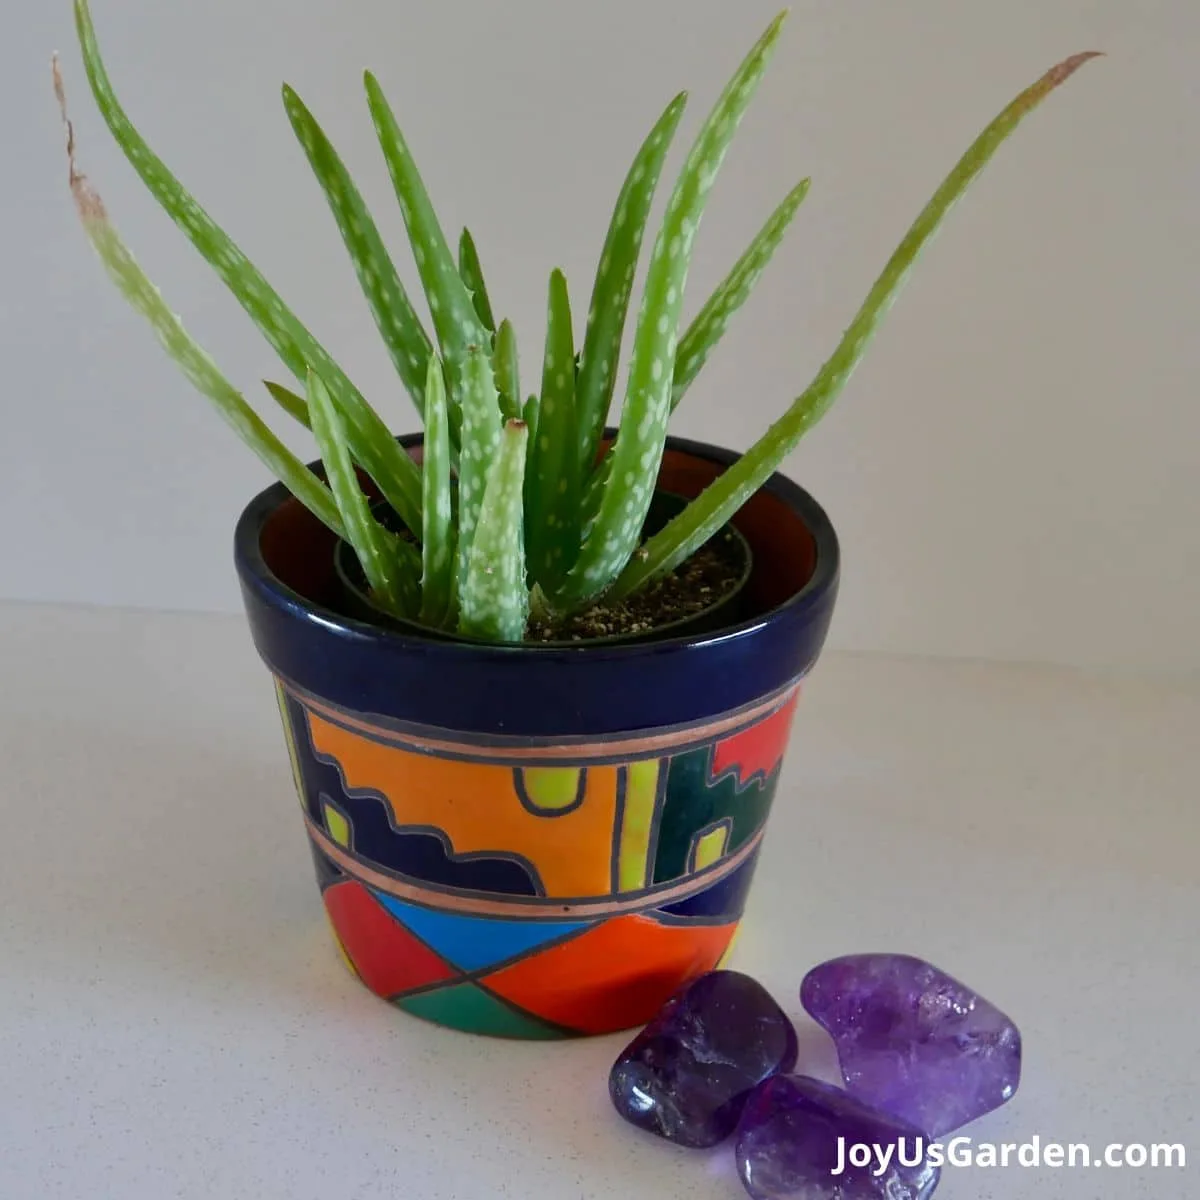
pixel 541 840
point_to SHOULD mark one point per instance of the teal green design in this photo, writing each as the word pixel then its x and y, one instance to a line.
pixel 473 1010
pixel 693 803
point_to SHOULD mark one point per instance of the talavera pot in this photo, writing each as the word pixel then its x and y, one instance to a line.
pixel 536 841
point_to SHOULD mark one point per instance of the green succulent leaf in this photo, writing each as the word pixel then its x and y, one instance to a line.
pixel 295 406
pixel 389 570
pixel 471 271
pixel 184 351
pixel 404 336
pixel 372 443
pixel 494 596
pixel 508 371
pixel 710 324
pixel 722 498
pixel 637 452
pixel 455 319
pixel 702 336
pixel 553 483
pixel 437 539
pixel 529 414
pixel 609 306
pixel 480 442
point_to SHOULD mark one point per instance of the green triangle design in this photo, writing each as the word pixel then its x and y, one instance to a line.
pixel 473 1010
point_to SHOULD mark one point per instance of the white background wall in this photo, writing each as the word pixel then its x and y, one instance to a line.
pixel 1013 471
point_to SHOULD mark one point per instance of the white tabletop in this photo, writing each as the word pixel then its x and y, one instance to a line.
pixel 174 1020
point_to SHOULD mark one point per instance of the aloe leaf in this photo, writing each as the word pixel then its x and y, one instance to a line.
pixel 710 325
pixel 371 441
pixel 454 317
pixel 713 319
pixel 641 437
pixel 388 572
pixel 471 271
pixel 494 596
pixel 614 282
pixel 295 406
pixel 593 491
pixel 553 484
pixel 437 539
pixel 480 441
pixel 530 413
pixel 407 342
pixel 508 371
pixel 191 359
pixel 722 498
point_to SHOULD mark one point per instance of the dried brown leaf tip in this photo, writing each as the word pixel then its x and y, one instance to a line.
pixel 1064 70
pixel 91 207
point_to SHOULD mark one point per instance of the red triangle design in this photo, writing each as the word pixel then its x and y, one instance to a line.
pixel 757 750
pixel 389 959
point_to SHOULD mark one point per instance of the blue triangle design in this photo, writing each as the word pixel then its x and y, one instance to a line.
pixel 472 943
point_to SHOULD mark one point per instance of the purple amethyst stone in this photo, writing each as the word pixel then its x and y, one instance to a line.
pixel 687 1075
pixel 913 1041
pixel 805 1139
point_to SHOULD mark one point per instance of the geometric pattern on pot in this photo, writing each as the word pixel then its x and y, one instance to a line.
pixel 520 978
pixel 534 890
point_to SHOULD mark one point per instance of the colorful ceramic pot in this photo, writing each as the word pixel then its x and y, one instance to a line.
pixel 538 841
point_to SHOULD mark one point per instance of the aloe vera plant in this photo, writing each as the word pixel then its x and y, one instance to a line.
pixel 515 508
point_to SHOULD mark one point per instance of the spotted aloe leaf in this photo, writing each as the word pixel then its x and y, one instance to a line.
pixel 494 595
pixel 718 503
pixel 387 562
pixel 455 319
pixel 508 370
pixel 184 351
pixel 471 271
pixel 710 324
pixel 642 433
pixel 734 290
pixel 437 539
pixel 609 306
pixel 371 441
pixel 403 334
pixel 553 482
pixel 480 440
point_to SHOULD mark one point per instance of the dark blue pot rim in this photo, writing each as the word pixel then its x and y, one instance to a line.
pixel 530 692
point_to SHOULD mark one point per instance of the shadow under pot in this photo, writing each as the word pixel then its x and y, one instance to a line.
pixel 702 595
